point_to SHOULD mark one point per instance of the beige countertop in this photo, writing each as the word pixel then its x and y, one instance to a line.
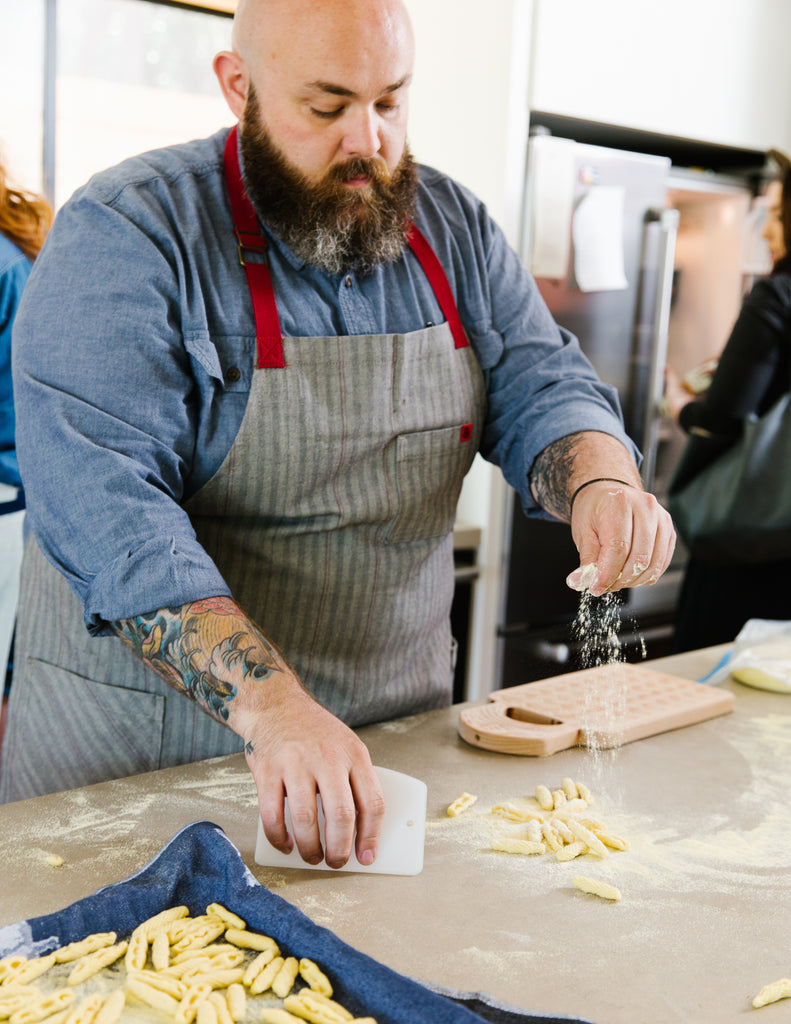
pixel 702 926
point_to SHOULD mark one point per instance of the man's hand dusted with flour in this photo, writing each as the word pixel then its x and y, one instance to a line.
pixel 624 537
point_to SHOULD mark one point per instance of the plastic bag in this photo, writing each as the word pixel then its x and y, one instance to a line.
pixel 761 657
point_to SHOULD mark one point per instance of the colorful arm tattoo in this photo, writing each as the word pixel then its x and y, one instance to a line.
pixel 206 650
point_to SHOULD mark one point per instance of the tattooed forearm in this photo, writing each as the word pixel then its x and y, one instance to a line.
pixel 571 461
pixel 551 473
pixel 206 650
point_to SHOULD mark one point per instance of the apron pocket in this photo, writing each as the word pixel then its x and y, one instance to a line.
pixel 430 468
pixel 93 731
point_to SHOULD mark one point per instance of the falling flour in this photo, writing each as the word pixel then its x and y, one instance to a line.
pixel 596 630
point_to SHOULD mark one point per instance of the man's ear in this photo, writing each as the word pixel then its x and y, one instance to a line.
pixel 232 76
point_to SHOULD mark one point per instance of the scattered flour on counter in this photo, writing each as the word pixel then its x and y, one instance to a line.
pixel 400 725
pixel 113 822
pixel 75 815
pixel 271 877
pixel 224 782
pixel 776 733
pixel 739 845
pixel 494 964
pixel 325 909
pixel 114 832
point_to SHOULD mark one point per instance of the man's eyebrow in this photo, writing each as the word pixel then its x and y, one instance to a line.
pixel 340 90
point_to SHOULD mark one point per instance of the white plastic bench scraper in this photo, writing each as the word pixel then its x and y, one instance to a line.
pixel 401 841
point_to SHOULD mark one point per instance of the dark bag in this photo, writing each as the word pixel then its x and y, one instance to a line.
pixel 738 507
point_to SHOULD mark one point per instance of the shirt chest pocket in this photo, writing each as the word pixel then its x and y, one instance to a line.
pixel 430 466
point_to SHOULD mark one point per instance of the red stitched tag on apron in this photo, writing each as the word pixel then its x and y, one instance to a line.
pixel 466 432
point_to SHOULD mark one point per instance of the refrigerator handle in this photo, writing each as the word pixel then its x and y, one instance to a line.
pixel 668 226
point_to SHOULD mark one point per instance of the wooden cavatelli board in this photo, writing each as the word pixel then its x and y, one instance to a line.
pixel 600 708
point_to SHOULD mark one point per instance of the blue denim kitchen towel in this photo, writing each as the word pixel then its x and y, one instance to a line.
pixel 200 866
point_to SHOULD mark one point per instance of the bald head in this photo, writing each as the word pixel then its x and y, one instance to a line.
pixel 330 78
pixel 265 30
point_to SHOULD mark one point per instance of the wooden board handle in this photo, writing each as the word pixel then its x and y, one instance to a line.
pixel 515 730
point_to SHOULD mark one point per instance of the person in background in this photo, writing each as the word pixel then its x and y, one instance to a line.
pixel 243 447
pixel 24 221
pixel 753 372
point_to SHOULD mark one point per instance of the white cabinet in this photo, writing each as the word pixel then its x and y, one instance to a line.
pixel 713 70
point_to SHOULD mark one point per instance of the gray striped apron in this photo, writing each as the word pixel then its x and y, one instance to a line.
pixel 331 520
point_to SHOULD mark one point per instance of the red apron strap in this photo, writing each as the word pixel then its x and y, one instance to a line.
pixel 249 240
pixel 438 280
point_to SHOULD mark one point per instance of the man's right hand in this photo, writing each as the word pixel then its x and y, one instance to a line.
pixel 297 750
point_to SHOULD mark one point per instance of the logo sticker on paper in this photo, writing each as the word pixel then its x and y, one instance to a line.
pixel 466 432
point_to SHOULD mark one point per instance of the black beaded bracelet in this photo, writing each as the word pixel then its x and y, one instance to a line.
pixel 596 480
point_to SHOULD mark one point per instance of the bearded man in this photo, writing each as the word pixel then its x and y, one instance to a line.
pixel 251 373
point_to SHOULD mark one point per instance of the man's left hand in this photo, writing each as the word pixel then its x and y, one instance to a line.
pixel 624 532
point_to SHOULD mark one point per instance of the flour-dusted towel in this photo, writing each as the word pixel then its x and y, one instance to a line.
pixel 200 866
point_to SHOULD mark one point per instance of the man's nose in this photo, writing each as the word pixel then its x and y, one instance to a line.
pixel 362 135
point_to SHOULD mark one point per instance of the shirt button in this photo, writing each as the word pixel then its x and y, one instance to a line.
pixel 348 281
pixel 233 374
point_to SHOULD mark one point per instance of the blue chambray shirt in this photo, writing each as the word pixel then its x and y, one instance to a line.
pixel 134 348
pixel 14 271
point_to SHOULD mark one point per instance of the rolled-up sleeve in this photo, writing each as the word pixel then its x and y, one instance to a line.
pixel 540 385
pixel 106 417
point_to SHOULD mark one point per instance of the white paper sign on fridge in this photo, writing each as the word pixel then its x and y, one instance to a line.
pixel 598 240
pixel 552 182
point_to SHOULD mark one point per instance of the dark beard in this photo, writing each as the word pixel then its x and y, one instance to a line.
pixel 328 225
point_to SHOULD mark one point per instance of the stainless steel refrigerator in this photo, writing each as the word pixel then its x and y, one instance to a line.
pixel 647 265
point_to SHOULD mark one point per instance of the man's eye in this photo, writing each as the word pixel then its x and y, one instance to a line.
pixel 326 114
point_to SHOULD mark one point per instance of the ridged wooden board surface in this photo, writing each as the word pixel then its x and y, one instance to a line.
pixel 599 707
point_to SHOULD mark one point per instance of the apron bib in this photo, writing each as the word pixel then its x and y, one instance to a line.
pixel 330 518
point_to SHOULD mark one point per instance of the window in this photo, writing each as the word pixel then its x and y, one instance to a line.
pixel 22 90
pixel 120 77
